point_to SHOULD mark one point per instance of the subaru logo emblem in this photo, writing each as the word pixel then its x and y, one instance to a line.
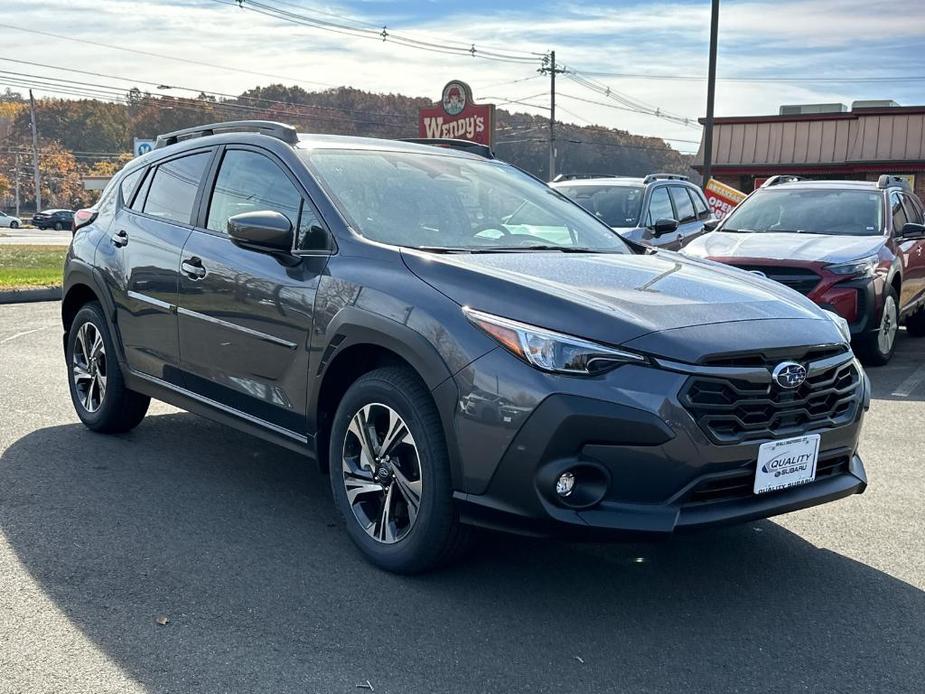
pixel 789 374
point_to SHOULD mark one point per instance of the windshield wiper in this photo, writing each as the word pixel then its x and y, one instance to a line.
pixel 539 247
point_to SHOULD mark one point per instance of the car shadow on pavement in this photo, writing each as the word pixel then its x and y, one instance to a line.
pixel 238 544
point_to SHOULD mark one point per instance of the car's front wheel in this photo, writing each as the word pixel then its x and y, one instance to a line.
pixel 390 473
pixel 14 225
pixel 98 390
pixel 876 348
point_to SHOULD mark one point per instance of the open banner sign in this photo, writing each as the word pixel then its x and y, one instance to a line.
pixel 722 198
pixel 457 117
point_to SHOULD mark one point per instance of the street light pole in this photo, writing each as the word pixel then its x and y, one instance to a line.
pixel 35 156
pixel 711 91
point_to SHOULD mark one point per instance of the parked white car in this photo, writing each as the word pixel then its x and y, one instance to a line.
pixel 10 221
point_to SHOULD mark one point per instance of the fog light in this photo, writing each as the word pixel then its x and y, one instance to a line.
pixel 565 484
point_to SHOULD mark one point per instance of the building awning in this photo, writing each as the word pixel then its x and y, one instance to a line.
pixel 860 140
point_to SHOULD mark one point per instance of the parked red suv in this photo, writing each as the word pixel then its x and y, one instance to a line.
pixel 856 248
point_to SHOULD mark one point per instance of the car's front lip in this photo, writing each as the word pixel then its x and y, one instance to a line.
pixel 659 465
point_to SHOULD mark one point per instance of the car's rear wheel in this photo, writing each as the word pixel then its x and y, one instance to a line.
pixel 390 473
pixel 97 387
pixel 876 348
pixel 915 324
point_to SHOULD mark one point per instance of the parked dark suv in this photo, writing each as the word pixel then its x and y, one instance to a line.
pixel 456 343
pixel 853 247
pixel 54 219
pixel 663 210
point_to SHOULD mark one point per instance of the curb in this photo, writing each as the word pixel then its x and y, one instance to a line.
pixel 22 296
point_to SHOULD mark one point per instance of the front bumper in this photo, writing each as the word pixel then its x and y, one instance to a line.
pixel 659 471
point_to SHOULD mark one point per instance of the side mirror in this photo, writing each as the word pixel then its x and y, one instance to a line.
pixel 665 226
pixel 710 224
pixel 262 230
pixel 912 231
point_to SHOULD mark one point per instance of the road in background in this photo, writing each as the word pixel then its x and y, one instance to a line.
pixel 236 542
pixel 33 237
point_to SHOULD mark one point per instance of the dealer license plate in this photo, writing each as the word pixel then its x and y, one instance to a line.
pixel 786 463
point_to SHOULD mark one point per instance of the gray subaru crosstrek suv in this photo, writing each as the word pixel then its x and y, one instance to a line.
pixel 455 343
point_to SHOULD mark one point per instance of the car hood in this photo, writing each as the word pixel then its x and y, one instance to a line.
pixel 824 248
pixel 610 298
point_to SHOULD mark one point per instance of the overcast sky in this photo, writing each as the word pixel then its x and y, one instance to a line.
pixel 616 44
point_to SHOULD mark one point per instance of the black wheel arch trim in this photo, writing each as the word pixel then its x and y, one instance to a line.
pixel 79 272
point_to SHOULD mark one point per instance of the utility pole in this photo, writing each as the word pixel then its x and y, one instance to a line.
pixel 711 92
pixel 35 156
pixel 549 66
pixel 16 175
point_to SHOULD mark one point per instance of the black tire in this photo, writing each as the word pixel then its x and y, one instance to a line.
pixel 870 348
pixel 58 226
pixel 117 409
pixel 915 324
pixel 14 225
pixel 435 536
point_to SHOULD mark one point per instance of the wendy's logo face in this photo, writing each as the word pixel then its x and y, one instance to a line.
pixel 454 99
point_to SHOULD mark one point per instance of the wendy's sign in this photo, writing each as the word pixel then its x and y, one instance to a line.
pixel 457 117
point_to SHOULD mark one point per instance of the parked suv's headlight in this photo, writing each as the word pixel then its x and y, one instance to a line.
pixel 863 267
pixel 840 323
pixel 551 351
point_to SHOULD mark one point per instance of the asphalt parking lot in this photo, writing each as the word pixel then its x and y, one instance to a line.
pixel 236 543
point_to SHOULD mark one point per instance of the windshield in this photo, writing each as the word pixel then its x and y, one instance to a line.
pixel 439 202
pixel 616 206
pixel 851 212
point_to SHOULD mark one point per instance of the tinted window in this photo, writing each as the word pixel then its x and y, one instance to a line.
pixel 139 202
pixel 913 210
pixel 248 182
pixel 899 214
pixel 173 189
pixel 312 234
pixel 700 205
pixel 129 183
pixel 682 203
pixel 437 200
pixel 616 206
pixel 818 211
pixel 659 206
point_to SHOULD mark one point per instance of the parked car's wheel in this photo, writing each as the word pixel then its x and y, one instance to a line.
pixel 58 226
pixel 14 225
pixel 915 324
pixel 98 390
pixel 390 473
pixel 876 348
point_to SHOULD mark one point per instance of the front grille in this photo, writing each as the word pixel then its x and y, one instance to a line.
pixel 772 357
pixel 732 411
pixel 798 278
pixel 739 485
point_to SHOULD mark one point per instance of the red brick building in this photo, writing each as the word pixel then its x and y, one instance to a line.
pixel 822 141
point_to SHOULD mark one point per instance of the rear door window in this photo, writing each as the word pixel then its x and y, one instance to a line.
pixel 700 204
pixel 659 206
pixel 129 184
pixel 174 187
pixel 682 203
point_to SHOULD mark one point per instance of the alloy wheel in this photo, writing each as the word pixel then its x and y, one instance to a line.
pixel 889 324
pixel 382 473
pixel 89 367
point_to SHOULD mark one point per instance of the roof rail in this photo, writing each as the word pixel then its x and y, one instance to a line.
pixel 891 181
pixel 782 178
pixel 664 177
pixel 577 176
pixel 450 143
pixel 280 131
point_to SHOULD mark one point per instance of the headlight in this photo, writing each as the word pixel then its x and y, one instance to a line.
pixel 551 351
pixel 840 323
pixel 863 267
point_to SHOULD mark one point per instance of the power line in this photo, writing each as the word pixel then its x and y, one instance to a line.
pixel 759 78
pixel 163 56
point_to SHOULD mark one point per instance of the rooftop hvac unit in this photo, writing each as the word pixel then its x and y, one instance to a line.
pixel 803 109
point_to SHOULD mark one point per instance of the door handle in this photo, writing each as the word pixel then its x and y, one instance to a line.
pixel 120 239
pixel 193 268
